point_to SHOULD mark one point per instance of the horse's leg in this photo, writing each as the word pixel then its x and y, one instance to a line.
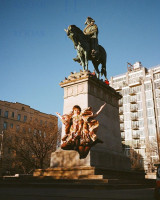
pixel 86 59
pixel 103 61
pixel 103 70
pixel 83 62
pixel 95 64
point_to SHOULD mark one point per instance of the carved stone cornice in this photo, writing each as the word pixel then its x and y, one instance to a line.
pixel 85 82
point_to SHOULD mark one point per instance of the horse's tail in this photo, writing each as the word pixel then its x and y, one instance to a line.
pixel 103 61
pixel 104 71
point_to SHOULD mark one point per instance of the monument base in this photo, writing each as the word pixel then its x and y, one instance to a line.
pixel 96 166
pixel 85 90
pixel 96 158
pixel 68 173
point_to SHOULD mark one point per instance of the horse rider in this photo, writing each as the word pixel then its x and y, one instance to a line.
pixel 92 31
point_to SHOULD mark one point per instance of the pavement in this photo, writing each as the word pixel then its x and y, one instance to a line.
pixel 24 188
pixel 62 193
pixel 49 189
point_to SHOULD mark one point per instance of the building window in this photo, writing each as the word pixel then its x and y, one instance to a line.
pixel 149 94
pixel 5 126
pixel 157 76
pixel 12 114
pixel 35 132
pixel 11 125
pixel 140 114
pixel 19 117
pixel 148 86
pixel 151 121
pixel 141 123
pixel 40 133
pixel 149 104
pixel 6 114
pixel 18 128
pixel 23 108
pixel 25 118
pixel 24 130
pixel 151 131
pixel 139 105
pixel 44 134
pixel 150 112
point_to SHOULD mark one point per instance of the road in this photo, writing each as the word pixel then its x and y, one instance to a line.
pixel 53 193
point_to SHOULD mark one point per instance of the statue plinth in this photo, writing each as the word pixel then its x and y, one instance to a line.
pixel 85 90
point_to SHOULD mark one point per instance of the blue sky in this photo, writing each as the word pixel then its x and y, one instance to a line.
pixel 36 55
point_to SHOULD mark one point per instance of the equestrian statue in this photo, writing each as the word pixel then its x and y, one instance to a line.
pixel 86 44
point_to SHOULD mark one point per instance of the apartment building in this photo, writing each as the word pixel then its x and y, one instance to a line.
pixel 139 112
pixel 16 116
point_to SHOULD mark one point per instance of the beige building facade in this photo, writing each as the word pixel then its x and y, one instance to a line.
pixel 139 113
pixel 16 114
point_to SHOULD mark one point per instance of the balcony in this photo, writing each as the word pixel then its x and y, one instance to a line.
pixel 133 101
pixel 136 136
pixel 117 87
pixel 120 103
pixel 122 136
pixel 122 128
pixel 121 120
pixel 135 82
pixel 133 109
pixel 134 118
pixel 120 111
pixel 132 92
pixel 135 127
pixel 136 146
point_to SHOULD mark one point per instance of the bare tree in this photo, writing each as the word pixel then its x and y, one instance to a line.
pixel 136 159
pixel 154 154
pixel 31 146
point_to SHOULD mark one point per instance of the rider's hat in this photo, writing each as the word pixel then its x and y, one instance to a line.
pixel 91 19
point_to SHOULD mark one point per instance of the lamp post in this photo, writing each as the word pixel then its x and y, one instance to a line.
pixel 156 116
pixel 1 154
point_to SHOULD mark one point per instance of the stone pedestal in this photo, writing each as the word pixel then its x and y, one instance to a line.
pixel 85 90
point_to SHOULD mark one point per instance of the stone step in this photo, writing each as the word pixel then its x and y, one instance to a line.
pixel 100 177
pixel 70 172
pixel 84 177
pixel 87 172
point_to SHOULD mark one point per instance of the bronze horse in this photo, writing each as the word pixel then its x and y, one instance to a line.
pixel 82 45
